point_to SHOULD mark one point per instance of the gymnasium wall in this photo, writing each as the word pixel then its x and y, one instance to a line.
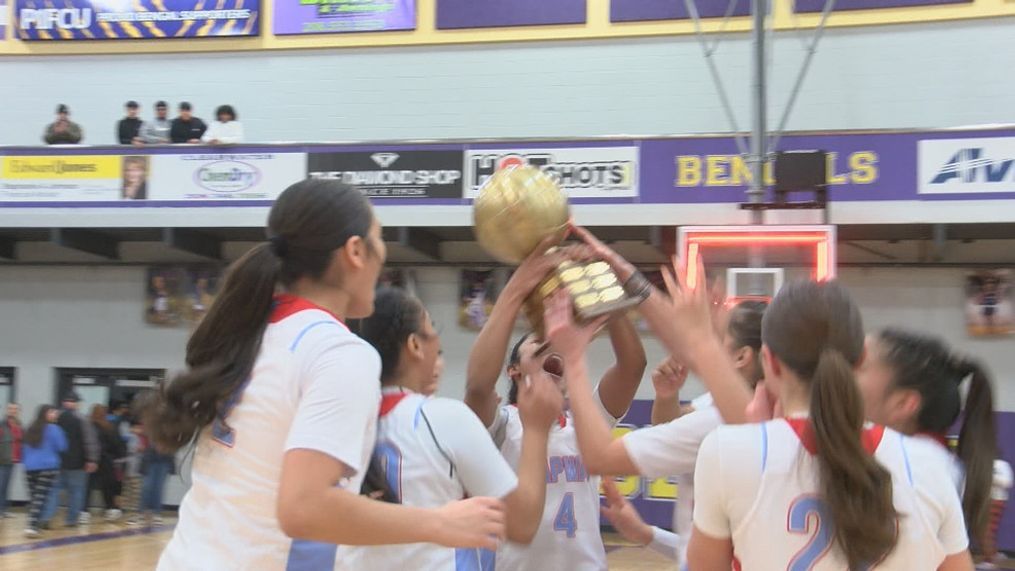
pixel 92 317
pixel 898 76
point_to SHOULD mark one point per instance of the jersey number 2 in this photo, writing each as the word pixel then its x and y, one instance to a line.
pixel 564 520
pixel 804 512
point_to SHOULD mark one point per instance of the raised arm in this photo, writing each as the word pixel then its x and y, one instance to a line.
pixel 486 360
pixel 667 380
pixel 681 319
pixel 620 382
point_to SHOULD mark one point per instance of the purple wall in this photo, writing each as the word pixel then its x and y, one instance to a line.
pixel 641 10
pixel 819 5
pixel 454 14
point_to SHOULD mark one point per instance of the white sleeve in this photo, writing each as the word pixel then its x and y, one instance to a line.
pixel 498 428
pixel 1002 475
pixel 236 134
pixel 671 449
pixel 339 399
pixel 665 543
pixel 610 419
pixel 710 515
pixel 211 132
pixel 479 465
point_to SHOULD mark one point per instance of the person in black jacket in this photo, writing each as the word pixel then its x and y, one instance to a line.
pixel 80 459
pixel 186 128
pixel 127 129
pixel 108 477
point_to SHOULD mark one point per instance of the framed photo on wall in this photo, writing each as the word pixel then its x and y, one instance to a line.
pixel 990 303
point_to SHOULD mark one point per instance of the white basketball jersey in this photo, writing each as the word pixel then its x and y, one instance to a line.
pixel 759 485
pixel 568 536
pixel 314 386
pixel 434 451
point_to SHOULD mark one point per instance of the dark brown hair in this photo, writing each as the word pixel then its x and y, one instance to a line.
pixel 816 331
pixel 745 329
pixel 308 222
pixel 98 417
pixel 36 431
pixel 926 365
pixel 396 316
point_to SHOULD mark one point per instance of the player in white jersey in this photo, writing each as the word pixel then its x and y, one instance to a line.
pixel 668 449
pixel 568 536
pixel 818 489
pixel 282 400
pixel 431 451
pixel 913 383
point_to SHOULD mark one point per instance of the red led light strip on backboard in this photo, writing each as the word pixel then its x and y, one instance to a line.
pixel 822 240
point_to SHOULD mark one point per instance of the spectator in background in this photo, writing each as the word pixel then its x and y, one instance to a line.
pixel 44 442
pixel 225 130
pixel 156 467
pixel 79 459
pixel 186 128
pixel 63 131
pixel 131 499
pixel 156 131
pixel 127 129
pixel 10 452
pixel 106 478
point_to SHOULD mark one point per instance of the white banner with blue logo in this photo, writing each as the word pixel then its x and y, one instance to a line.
pixel 208 176
pixel 964 166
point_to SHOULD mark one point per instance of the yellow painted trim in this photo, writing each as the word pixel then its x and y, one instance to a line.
pixel 598 26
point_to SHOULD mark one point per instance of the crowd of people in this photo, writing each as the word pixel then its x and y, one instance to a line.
pixel 226 129
pixel 63 451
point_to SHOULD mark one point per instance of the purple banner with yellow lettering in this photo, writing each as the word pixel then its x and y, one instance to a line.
pixel 4 12
pixel 454 14
pixel 337 16
pixel 137 20
pixel 819 5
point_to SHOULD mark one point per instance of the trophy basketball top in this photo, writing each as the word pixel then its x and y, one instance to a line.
pixel 516 209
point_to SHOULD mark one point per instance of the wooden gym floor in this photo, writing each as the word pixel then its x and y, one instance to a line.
pixel 117 547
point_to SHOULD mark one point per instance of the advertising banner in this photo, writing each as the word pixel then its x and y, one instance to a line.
pixel 224 176
pixel 336 16
pixel 583 172
pixel 654 498
pixel 142 19
pixel 819 5
pixel 642 10
pixel 4 12
pixel 452 14
pixel 960 166
pixel 401 174
pixel 69 178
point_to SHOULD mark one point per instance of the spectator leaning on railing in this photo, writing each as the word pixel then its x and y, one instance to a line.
pixel 186 128
pixel 226 130
pixel 156 131
pixel 127 129
pixel 63 131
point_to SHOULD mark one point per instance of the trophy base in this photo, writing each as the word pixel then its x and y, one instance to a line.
pixel 594 288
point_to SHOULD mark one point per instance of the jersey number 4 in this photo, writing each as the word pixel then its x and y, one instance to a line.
pixel 565 520
pixel 809 515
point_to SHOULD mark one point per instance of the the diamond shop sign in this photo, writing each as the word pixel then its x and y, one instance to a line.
pixel 393 174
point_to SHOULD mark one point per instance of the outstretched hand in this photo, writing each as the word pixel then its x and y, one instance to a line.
pixel 686 316
pixel 625 519
pixel 600 251
pixel 540 402
pixel 565 335
pixel 668 378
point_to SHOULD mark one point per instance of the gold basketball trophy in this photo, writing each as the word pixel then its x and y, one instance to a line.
pixel 515 211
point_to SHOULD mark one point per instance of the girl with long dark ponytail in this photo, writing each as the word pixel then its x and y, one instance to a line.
pixel 280 400
pixel 819 489
pixel 912 383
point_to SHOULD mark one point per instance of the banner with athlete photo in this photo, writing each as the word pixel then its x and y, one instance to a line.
pixel 224 176
pixel 178 296
pixel 4 12
pixel 338 16
pixel 477 294
pixel 583 172
pixel 138 20
pixel 393 174
pixel 69 178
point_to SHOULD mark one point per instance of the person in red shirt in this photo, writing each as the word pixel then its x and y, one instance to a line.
pixel 11 433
